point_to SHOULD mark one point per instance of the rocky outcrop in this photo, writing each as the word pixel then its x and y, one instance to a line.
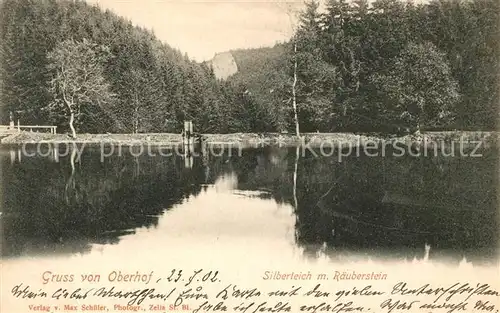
pixel 224 65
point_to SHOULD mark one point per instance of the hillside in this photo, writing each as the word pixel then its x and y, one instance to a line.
pixel 394 67
pixel 250 66
pixel 391 66
pixel 262 74
pixel 145 85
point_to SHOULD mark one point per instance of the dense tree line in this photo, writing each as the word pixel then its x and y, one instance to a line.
pixel 385 66
pixel 63 59
pixel 399 65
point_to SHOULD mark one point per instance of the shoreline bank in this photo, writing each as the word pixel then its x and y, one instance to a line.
pixel 487 138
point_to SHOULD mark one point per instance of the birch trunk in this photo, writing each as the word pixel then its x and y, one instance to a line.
pixel 136 120
pixel 71 126
pixel 294 92
pixel 69 105
pixel 136 114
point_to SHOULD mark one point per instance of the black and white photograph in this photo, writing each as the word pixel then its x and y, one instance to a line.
pixel 249 156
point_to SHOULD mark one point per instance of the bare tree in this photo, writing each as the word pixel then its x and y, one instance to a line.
pixel 292 13
pixel 294 90
pixel 78 77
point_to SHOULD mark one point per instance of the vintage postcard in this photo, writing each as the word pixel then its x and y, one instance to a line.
pixel 249 156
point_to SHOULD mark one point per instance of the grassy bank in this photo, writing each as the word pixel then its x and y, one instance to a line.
pixel 254 139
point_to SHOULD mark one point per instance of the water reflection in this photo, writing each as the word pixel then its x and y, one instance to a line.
pixel 362 207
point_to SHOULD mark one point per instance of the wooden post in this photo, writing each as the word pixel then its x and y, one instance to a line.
pixel 56 152
pixel 205 158
pixel 188 130
pixel 186 133
pixel 188 144
pixel 12 156
pixel 18 126
pixel 188 161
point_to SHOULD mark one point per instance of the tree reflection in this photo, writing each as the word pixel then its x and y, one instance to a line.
pixel 49 207
pixel 382 206
pixel 70 185
pixel 370 206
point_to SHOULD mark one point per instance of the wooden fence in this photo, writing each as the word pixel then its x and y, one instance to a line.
pixel 9 129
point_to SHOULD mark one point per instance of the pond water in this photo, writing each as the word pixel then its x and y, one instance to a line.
pixel 284 202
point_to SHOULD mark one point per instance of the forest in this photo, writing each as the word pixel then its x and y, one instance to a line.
pixel 388 66
pixel 67 56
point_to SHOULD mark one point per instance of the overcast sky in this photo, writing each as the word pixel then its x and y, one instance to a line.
pixel 202 28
